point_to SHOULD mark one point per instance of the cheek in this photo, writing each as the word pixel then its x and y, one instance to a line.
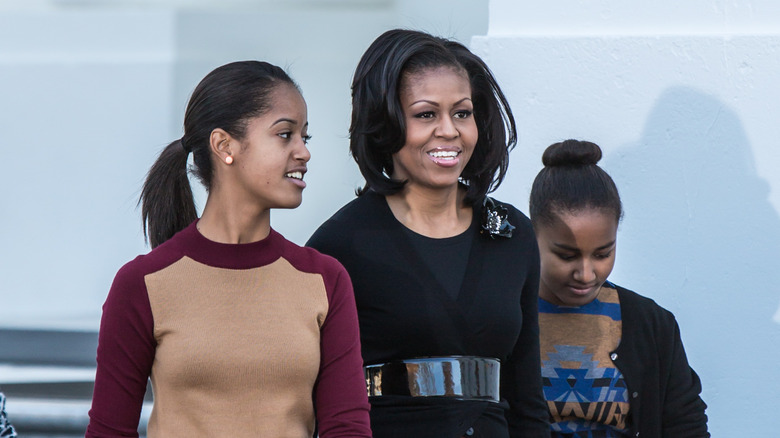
pixel 605 268
pixel 552 270
pixel 469 133
pixel 416 134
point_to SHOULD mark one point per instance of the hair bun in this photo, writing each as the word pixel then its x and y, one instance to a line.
pixel 571 153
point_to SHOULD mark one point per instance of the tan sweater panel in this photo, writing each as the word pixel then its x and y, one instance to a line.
pixel 588 330
pixel 238 351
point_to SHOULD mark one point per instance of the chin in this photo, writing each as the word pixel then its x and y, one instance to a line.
pixel 579 300
pixel 292 205
pixel 288 204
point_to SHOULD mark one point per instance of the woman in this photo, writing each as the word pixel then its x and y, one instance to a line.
pixel 612 361
pixel 242 332
pixel 445 278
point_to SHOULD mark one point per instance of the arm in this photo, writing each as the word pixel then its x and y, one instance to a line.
pixel 521 379
pixel 124 358
pixel 683 409
pixel 340 397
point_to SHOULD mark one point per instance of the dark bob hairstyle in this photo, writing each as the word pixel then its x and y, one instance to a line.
pixel 378 130
pixel 571 181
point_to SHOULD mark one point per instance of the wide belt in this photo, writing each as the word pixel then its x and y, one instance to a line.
pixel 459 377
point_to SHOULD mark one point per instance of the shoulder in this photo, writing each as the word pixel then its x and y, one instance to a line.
pixel 639 308
pixel 369 204
pixel 310 260
pixel 336 232
pixel 633 299
pixel 335 279
pixel 134 271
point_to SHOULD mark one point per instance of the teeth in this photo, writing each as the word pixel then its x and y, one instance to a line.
pixel 296 175
pixel 443 154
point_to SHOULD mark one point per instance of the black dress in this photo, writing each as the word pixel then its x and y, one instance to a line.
pixel 405 313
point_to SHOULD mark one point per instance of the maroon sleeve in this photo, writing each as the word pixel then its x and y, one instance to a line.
pixel 125 354
pixel 340 397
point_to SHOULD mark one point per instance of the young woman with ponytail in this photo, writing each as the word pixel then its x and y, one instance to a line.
pixel 242 332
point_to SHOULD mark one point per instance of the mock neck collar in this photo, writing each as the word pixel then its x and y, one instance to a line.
pixel 230 255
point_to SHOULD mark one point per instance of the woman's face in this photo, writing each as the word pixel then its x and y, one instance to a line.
pixel 577 255
pixel 440 128
pixel 271 161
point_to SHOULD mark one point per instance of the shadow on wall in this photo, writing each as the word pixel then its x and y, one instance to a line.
pixel 707 248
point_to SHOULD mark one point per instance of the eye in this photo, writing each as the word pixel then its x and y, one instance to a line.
pixel 463 114
pixel 566 257
pixel 306 139
pixel 603 256
pixel 424 115
pixel 285 135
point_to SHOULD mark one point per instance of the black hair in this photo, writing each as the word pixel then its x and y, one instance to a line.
pixel 227 98
pixel 378 130
pixel 571 181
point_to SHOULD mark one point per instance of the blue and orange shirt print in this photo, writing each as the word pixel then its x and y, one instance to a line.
pixel 586 394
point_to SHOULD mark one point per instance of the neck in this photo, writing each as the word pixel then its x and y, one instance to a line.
pixel 432 213
pixel 227 220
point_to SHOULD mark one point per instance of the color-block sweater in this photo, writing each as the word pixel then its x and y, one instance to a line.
pixel 238 339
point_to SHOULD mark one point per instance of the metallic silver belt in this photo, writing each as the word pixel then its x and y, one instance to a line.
pixel 459 377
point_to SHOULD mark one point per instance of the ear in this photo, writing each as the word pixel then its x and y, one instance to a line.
pixel 222 145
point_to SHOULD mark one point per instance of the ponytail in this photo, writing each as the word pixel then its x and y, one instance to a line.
pixel 167 205
pixel 227 98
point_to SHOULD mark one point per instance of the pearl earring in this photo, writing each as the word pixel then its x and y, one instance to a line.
pixel 229 159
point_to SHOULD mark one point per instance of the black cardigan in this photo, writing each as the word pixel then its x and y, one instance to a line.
pixel 405 313
pixel 663 389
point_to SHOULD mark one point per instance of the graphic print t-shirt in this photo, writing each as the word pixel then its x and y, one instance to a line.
pixel 585 392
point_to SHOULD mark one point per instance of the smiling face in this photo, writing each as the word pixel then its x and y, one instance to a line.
pixel 440 128
pixel 271 161
pixel 577 254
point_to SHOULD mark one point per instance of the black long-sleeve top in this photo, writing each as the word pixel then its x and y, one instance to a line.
pixel 404 312
pixel 663 388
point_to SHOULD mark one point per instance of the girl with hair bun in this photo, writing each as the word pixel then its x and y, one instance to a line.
pixel 446 278
pixel 613 363
pixel 242 332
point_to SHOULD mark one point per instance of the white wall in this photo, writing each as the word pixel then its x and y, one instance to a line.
pixel 683 99
pixel 92 90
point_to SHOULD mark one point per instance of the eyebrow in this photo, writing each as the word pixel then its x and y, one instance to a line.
pixel 436 103
pixel 284 119
pixel 569 248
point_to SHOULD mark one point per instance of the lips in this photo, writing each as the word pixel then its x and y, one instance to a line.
pixel 579 289
pixel 296 177
pixel 445 157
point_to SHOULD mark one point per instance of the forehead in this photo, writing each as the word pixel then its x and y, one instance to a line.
pixel 435 79
pixel 284 102
pixel 588 228
pixel 286 97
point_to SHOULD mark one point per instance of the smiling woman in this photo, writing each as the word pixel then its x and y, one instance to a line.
pixel 440 130
pixel 209 314
pixel 446 278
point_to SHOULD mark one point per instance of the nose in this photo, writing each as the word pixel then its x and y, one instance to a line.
pixel 586 272
pixel 302 153
pixel 446 128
